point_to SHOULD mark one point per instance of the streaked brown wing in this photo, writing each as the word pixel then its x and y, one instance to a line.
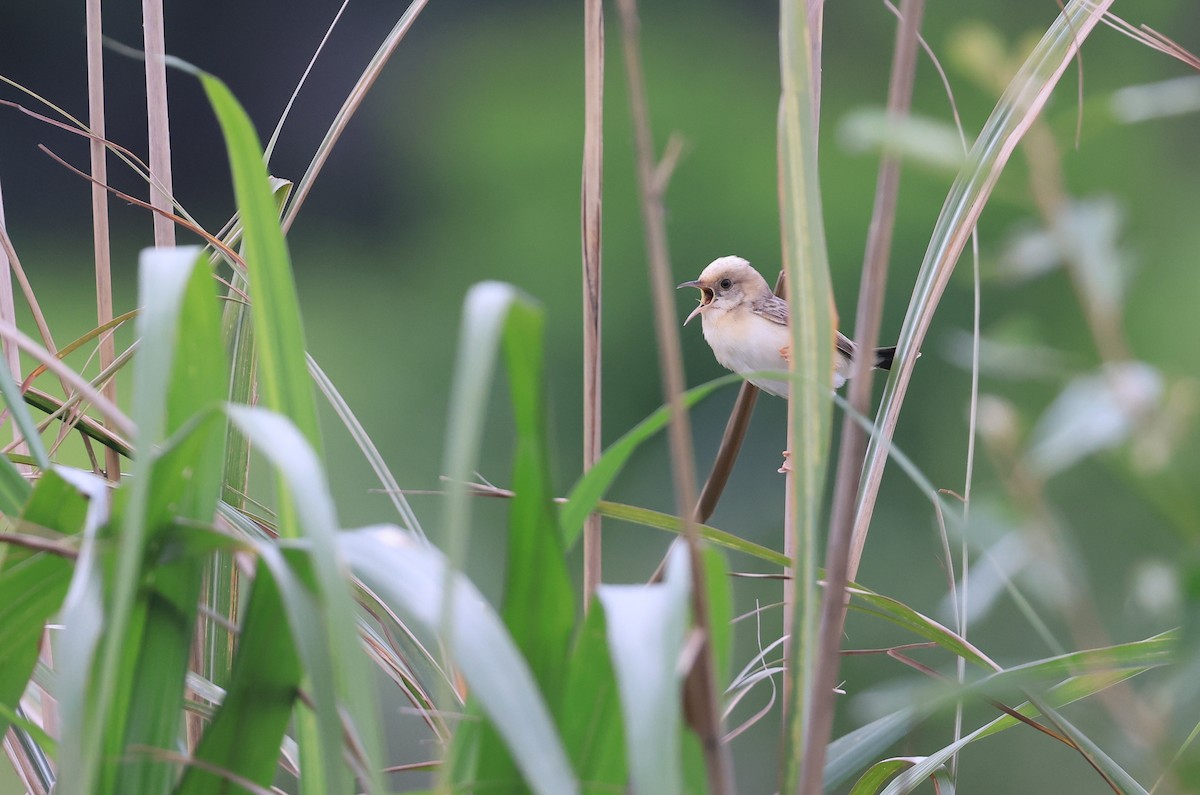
pixel 845 346
pixel 773 308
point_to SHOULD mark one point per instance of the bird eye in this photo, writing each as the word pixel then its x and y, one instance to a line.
pixel 726 284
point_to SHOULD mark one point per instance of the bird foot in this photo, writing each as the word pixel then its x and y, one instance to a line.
pixel 786 353
pixel 787 463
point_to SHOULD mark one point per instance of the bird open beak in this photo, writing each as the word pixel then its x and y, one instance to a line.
pixel 706 297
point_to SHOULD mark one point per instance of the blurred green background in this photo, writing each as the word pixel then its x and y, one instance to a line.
pixel 464 165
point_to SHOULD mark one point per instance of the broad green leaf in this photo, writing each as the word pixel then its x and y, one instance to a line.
pixel 348 686
pixel 590 715
pixel 412 577
pixel 590 488
pixel 244 736
pixel 185 474
pixel 647 625
pixel 33 584
pixel 14 488
pixel 538 605
pixel 179 362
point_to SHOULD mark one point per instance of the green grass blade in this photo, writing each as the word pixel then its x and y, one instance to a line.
pixel 1065 693
pixel 647 625
pixel 34 584
pixel 14 488
pixel 20 414
pixel 587 492
pixel 860 747
pixel 810 413
pixel 665 521
pixel 75 646
pixel 349 685
pixel 185 473
pixel 411 577
pixel 178 359
pixel 1020 105
pixel 921 625
pixel 1114 773
pixel 592 727
pixel 538 605
pixel 879 775
pixel 370 452
pixel 279 334
pixel 244 736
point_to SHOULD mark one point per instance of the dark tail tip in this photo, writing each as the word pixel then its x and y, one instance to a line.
pixel 884 357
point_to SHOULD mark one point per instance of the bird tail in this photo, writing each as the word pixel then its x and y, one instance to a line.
pixel 884 357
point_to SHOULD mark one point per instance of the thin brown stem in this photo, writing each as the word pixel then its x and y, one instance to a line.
pixel 701 704
pixel 100 229
pixel 158 120
pixel 592 192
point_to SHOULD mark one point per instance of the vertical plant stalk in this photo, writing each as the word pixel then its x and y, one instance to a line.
pixel 854 439
pixel 104 305
pixel 592 198
pixel 158 121
pixel 1010 120
pixel 811 363
pixel 701 703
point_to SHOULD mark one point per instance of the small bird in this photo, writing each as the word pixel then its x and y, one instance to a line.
pixel 746 325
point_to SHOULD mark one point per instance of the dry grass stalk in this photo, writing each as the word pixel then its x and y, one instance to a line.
pixel 592 193
pixel 100 229
pixel 701 703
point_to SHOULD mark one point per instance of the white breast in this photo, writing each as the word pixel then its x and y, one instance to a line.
pixel 747 344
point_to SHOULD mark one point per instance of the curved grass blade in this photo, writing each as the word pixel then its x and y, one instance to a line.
pixel 880 772
pixel 279 333
pixel 588 490
pixel 1022 101
pixel 1065 693
pixel 412 578
pixel 665 521
pixel 370 452
pixel 538 605
pixel 348 684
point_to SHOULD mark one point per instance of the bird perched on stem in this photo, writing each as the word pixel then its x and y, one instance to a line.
pixel 746 325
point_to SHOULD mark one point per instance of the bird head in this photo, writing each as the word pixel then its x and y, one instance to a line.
pixel 726 283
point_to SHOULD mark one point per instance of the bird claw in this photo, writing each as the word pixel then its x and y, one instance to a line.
pixel 786 353
pixel 787 463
